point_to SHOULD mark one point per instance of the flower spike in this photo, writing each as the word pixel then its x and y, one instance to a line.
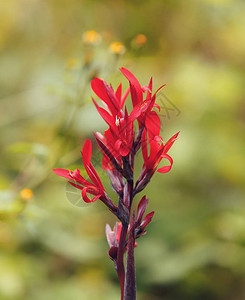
pixel 127 132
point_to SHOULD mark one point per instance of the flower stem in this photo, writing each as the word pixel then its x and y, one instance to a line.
pixel 130 277
pixel 119 263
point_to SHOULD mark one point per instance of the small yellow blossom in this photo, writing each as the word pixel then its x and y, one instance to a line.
pixel 26 194
pixel 140 39
pixel 117 48
pixel 71 63
pixel 91 37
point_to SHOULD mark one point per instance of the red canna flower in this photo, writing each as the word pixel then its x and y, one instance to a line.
pixel 119 147
pixel 112 101
pixel 121 131
pixel 95 187
pixel 147 117
pixel 158 151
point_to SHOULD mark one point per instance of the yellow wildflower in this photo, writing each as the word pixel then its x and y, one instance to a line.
pixel 91 37
pixel 117 48
pixel 26 194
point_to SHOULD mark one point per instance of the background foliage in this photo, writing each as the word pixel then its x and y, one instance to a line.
pixel 51 247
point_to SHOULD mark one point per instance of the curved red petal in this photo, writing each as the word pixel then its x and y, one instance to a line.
pixel 85 197
pixel 166 168
pixel 170 142
pixel 74 176
pixel 157 106
pixel 135 87
pixel 63 173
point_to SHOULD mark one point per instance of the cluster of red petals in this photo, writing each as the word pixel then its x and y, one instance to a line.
pixel 119 138
pixel 158 151
pixel 95 187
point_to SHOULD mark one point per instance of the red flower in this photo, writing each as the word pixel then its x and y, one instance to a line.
pixel 121 131
pixel 112 158
pixel 121 128
pixel 147 117
pixel 158 151
pixel 112 101
pixel 95 187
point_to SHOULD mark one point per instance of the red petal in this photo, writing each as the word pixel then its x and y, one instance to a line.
pixel 107 152
pixel 74 176
pixel 106 163
pixel 63 173
pixel 135 87
pixel 107 117
pixel 119 229
pixel 150 90
pixel 98 86
pixel 124 97
pixel 144 147
pixel 124 150
pixel 87 152
pixel 166 168
pixel 147 220
pixel 119 92
pixel 159 89
pixel 153 124
pixel 85 197
pixel 91 188
pixel 135 113
pixel 157 106
pixel 94 176
pixel 170 142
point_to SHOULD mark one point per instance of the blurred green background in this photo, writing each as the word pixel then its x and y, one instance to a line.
pixel 52 247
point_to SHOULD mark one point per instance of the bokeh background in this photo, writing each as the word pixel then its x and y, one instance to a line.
pixel 51 245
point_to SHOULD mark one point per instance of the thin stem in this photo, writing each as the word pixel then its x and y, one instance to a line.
pixel 130 277
pixel 119 263
pixel 128 174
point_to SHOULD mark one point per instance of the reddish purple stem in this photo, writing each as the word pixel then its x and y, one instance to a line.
pixel 119 263
pixel 130 277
